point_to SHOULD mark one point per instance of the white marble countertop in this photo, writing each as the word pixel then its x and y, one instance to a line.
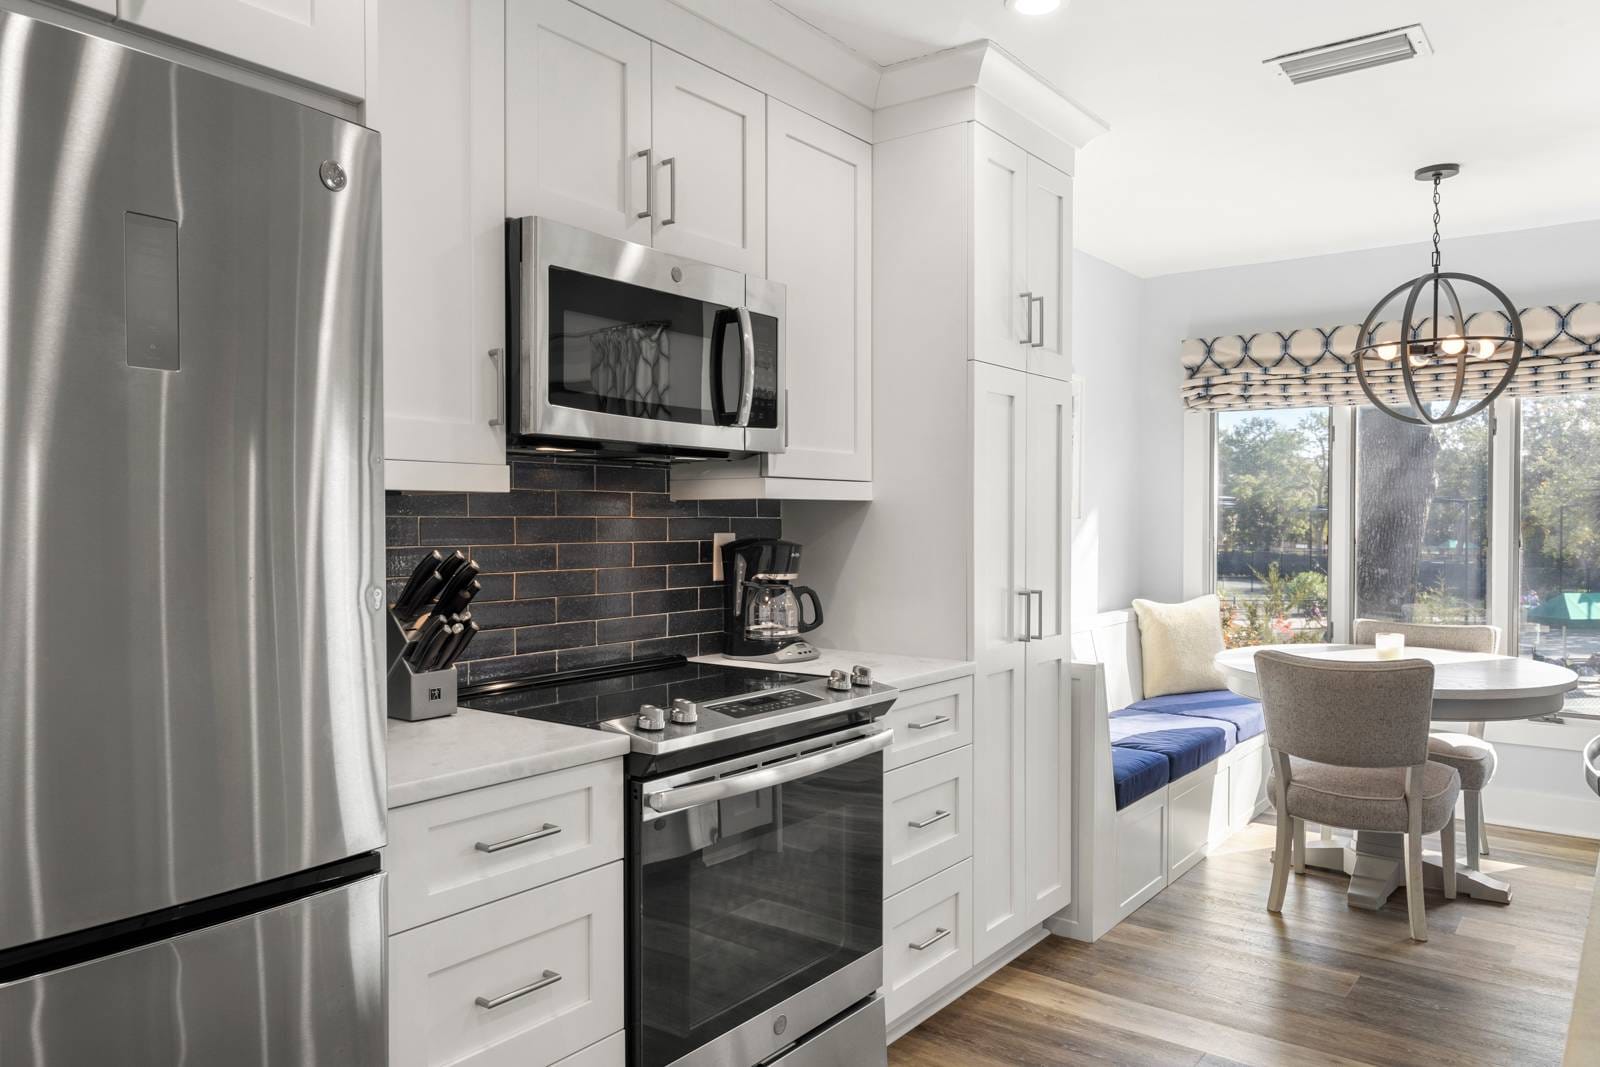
pixel 472 749
pixel 902 672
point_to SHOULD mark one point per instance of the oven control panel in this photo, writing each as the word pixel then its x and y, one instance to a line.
pixel 761 703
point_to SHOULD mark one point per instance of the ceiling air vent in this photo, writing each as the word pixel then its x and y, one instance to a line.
pixel 1358 53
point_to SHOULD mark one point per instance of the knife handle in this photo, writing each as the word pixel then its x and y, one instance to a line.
pixel 469 631
pixel 462 598
pixel 427 565
pixel 417 652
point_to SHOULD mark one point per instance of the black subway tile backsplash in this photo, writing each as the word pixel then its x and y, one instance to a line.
pixel 583 564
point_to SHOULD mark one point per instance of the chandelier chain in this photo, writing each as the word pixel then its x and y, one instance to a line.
pixel 1437 178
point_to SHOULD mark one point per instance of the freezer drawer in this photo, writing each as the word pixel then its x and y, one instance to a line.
pixel 300 985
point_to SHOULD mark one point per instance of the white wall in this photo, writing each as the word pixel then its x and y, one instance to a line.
pixel 1107 309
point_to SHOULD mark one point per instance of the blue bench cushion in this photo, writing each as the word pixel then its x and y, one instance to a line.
pixel 1244 713
pixel 1137 773
pixel 1131 723
pixel 1187 749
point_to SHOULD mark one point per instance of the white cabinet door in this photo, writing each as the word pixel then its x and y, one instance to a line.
pixel 710 164
pixel 1049 270
pixel 999 421
pixel 438 100
pixel 1048 769
pixel 577 119
pixel 819 245
pixel 318 41
pixel 1000 299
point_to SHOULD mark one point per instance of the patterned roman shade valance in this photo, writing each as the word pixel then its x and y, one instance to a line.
pixel 1313 366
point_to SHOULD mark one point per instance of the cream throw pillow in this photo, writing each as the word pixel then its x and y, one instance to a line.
pixel 1178 643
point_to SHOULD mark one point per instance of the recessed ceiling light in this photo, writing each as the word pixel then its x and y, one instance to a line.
pixel 1034 7
pixel 1349 56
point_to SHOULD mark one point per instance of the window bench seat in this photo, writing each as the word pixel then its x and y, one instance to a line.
pixel 1158 781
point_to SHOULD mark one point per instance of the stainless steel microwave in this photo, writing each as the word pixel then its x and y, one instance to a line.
pixel 619 348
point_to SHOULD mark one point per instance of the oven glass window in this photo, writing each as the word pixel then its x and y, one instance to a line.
pixel 749 900
pixel 622 349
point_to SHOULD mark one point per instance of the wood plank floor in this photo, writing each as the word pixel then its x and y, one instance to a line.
pixel 1203 975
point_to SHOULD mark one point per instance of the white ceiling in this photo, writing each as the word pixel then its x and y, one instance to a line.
pixel 1213 161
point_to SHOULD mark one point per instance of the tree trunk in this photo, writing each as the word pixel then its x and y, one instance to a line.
pixel 1396 487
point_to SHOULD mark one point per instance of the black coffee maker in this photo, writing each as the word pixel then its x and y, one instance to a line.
pixel 761 611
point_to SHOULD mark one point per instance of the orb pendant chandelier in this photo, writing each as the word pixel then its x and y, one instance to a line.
pixel 1433 338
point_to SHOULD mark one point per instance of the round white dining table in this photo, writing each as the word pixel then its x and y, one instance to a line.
pixel 1467 687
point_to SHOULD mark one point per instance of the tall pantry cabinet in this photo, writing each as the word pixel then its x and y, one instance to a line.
pixel 965 550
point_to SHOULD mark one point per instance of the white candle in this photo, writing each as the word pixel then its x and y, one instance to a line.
pixel 1390 646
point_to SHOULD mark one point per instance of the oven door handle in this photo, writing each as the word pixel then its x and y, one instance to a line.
pixel 692 796
pixel 747 381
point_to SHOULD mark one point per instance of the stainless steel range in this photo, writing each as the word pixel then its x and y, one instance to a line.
pixel 755 855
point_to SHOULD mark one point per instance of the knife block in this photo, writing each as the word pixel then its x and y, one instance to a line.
pixel 416 695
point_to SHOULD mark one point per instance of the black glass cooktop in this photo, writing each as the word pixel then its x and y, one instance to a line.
pixel 589 698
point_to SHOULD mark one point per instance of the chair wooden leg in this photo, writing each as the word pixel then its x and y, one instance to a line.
pixel 1483 828
pixel 1299 831
pixel 1473 801
pixel 1280 859
pixel 1447 857
pixel 1414 902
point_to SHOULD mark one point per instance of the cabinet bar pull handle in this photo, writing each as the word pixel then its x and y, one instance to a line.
pixel 939 934
pixel 937 720
pixel 671 163
pixel 1039 636
pixel 1039 341
pixel 1027 313
pixel 549 978
pixel 547 830
pixel 497 357
pixel 647 154
pixel 918 824
pixel 1027 615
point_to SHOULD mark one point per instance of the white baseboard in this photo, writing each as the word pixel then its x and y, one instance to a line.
pixel 946 996
pixel 1551 813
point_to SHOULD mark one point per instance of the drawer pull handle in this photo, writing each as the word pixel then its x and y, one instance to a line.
pixel 917 824
pixel 938 935
pixel 549 978
pixel 937 720
pixel 547 830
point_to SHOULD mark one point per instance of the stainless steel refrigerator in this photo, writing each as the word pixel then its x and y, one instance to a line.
pixel 191 730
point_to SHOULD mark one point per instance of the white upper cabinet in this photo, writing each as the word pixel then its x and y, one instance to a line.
pixel 438 100
pixel 710 135
pixel 318 41
pixel 819 245
pixel 1001 301
pixel 1049 281
pixel 578 139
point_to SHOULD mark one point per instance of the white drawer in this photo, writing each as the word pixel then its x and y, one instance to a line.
pixel 928 720
pixel 438 972
pixel 457 852
pixel 927 818
pixel 612 1052
pixel 937 914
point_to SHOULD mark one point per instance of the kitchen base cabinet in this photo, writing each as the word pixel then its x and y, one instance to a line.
pixel 530 978
pixel 927 938
pixel 611 1052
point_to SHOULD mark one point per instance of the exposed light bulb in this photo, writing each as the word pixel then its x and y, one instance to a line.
pixel 1419 354
pixel 1388 353
pixel 1035 7
pixel 1484 348
pixel 1452 345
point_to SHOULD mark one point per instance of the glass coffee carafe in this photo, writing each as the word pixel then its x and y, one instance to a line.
pixel 772 612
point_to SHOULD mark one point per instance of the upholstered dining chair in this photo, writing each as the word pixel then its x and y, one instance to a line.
pixel 1349 746
pixel 1472 757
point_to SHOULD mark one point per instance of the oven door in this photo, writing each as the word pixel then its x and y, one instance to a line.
pixel 617 342
pixel 757 899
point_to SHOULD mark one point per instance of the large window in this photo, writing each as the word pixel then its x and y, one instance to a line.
pixel 1272 525
pixel 1422 519
pixel 1558 612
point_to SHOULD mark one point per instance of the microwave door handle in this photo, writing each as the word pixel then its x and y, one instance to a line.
pixel 692 796
pixel 747 382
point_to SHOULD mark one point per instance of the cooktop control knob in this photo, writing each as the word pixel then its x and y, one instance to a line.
pixel 652 717
pixel 861 676
pixel 684 712
pixel 839 681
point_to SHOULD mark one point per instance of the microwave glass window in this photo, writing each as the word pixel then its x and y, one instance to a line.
pixel 622 349
pixel 749 900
